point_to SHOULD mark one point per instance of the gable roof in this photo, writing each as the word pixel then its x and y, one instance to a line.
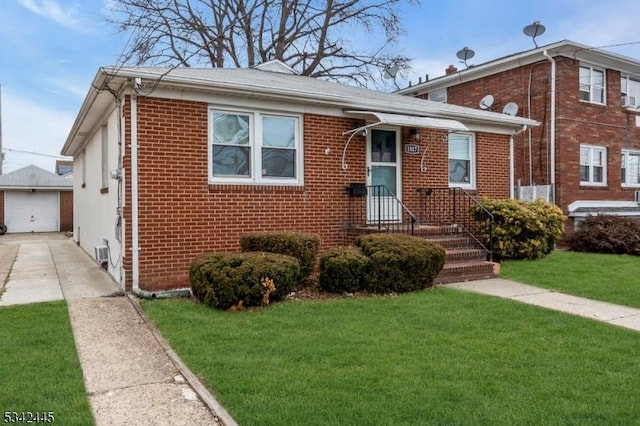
pixel 278 86
pixel 564 48
pixel 33 177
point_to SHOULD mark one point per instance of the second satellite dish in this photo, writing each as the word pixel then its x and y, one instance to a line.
pixel 510 109
pixel 486 102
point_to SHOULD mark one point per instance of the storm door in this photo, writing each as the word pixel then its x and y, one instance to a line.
pixel 383 176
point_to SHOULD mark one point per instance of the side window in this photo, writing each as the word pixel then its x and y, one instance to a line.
pixel 462 160
pixel 105 155
pixel 592 84
pixel 593 165
pixel 630 168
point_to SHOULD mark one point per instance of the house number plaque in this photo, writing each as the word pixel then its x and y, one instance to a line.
pixel 411 148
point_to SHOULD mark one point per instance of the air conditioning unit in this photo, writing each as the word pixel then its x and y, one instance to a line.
pixel 628 101
pixel 102 254
pixel 637 197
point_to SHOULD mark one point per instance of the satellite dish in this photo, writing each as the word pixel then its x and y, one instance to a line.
pixel 391 71
pixel 465 54
pixel 510 109
pixel 486 102
pixel 534 30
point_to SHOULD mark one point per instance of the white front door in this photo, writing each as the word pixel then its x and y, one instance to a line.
pixel 383 175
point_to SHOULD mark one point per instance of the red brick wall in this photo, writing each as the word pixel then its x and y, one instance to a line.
pixel 577 122
pixel 66 211
pixel 182 216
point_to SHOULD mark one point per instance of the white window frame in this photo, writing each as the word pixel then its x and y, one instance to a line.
pixel 625 165
pixel 471 138
pixel 439 95
pixel 592 85
pixel 255 146
pixel 630 87
pixel 592 149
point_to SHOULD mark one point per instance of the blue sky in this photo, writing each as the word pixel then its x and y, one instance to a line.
pixel 50 51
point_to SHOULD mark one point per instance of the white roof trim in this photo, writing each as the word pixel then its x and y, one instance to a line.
pixel 410 120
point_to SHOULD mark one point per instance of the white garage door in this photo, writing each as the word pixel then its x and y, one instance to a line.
pixel 31 211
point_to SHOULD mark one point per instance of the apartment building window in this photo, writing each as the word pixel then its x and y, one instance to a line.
pixel 438 95
pixel 630 168
pixel 255 147
pixel 592 84
pixel 593 165
pixel 630 89
pixel 462 160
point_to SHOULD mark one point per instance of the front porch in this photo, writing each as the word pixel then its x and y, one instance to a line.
pixel 442 217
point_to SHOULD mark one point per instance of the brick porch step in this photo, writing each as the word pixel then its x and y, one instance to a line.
pixel 465 271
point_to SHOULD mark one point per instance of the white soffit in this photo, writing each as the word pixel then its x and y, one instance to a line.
pixel 410 120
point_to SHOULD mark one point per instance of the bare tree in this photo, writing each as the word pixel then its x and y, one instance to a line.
pixel 313 37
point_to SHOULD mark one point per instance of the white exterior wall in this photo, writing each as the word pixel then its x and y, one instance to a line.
pixel 95 212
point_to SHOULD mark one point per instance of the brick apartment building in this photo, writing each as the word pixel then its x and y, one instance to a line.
pixel 586 154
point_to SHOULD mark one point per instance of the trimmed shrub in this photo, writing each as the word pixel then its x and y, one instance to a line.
pixel 521 230
pixel 606 234
pixel 302 246
pixel 342 270
pixel 400 263
pixel 240 280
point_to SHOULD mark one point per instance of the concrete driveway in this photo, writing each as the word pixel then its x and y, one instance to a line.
pixel 131 375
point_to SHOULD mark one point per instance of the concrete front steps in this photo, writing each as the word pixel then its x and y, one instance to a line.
pixel 465 260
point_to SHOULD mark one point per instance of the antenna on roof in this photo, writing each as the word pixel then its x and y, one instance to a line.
pixel 486 102
pixel 464 54
pixel 510 108
pixel 534 30
pixel 391 71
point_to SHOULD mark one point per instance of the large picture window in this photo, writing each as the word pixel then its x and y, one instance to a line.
pixel 255 147
pixel 593 165
pixel 630 168
pixel 461 160
pixel 592 84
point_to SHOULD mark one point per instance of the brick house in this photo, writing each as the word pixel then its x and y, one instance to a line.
pixel 171 163
pixel 586 153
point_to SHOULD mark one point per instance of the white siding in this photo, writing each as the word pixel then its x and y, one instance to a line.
pixel 95 211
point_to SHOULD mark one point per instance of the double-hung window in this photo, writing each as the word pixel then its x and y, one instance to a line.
pixel 592 84
pixel 254 147
pixel 630 90
pixel 630 168
pixel 593 165
pixel 462 160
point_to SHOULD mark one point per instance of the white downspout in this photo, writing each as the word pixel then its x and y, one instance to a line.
pixel 135 240
pixel 552 136
pixel 512 162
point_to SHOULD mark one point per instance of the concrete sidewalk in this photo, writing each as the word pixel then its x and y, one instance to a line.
pixel 131 376
pixel 601 311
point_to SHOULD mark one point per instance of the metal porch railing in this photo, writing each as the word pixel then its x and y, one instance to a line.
pixel 452 206
pixel 375 208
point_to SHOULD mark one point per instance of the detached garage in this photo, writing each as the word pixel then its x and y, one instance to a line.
pixel 34 200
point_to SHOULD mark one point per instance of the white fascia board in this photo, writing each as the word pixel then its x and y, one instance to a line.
pixel 600 204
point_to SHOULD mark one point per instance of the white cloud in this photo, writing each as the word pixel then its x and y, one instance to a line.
pixel 28 126
pixel 66 16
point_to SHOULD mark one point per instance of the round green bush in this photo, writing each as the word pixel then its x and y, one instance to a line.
pixel 302 246
pixel 241 280
pixel 521 229
pixel 342 270
pixel 399 262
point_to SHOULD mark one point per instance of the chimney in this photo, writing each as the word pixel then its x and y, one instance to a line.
pixel 451 69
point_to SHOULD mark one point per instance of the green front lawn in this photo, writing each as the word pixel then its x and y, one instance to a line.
pixel 39 368
pixel 432 357
pixel 610 278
